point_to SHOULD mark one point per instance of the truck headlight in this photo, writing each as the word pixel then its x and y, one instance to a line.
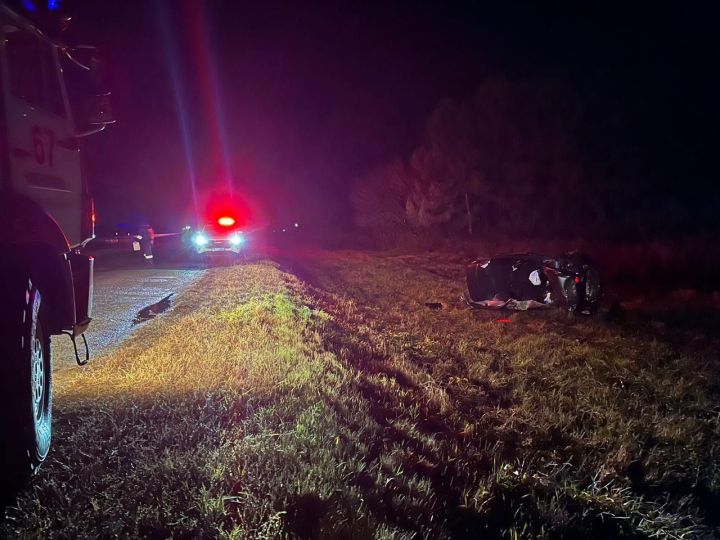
pixel 236 240
pixel 200 240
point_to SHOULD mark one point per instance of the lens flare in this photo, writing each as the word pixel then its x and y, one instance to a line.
pixel 180 100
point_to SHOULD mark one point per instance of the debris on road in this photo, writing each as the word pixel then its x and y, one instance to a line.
pixel 149 312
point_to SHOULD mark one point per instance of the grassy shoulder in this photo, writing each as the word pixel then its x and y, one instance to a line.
pixel 338 405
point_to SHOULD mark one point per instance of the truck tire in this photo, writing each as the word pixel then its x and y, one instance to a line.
pixel 25 382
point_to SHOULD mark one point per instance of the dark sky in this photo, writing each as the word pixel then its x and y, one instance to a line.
pixel 311 97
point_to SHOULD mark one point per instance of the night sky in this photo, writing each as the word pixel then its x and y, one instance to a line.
pixel 305 99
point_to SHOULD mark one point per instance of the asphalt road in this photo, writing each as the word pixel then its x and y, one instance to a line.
pixel 121 292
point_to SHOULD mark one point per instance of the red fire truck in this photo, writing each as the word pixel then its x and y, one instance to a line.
pixel 46 217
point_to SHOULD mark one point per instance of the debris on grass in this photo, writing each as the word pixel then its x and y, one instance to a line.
pixel 528 281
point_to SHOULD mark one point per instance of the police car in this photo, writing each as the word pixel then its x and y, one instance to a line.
pixel 222 236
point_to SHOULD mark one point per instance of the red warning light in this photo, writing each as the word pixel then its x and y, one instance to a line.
pixel 577 279
pixel 225 211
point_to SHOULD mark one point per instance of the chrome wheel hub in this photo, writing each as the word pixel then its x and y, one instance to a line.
pixel 38 378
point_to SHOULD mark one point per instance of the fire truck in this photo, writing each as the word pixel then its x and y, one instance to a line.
pixel 46 218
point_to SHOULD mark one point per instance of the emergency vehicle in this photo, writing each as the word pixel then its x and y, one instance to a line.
pixel 46 218
pixel 222 236
pixel 224 228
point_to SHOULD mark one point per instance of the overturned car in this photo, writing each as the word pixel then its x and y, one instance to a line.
pixel 529 281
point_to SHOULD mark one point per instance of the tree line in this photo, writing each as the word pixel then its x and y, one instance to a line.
pixel 532 158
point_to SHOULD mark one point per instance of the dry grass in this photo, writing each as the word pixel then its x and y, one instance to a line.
pixel 541 426
pixel 340 406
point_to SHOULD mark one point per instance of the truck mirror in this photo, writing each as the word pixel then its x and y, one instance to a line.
pixel 98 114
pixel 89 82
pixel 100 111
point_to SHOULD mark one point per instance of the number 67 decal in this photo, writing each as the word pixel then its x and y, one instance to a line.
pixel 40 139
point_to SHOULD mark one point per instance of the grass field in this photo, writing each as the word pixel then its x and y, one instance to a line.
pixel 322 398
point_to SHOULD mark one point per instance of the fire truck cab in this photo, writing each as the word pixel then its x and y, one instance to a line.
pixel 46 217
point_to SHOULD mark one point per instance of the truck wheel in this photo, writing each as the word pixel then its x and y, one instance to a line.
pixel 26 374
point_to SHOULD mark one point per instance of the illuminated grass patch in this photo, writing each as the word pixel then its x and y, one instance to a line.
pixel 264 406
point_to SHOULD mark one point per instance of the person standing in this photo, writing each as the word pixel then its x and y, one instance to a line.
pixel 147 239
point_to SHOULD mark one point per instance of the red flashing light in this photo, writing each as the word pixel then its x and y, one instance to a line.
pixel 226 221
pixel 577 279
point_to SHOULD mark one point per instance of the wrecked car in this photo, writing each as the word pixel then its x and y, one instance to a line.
pixel 531 281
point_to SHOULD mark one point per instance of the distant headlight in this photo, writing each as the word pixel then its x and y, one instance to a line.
pixel 200 240
pixel 236 240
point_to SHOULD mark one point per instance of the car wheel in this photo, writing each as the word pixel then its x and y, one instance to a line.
pixel 26 398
